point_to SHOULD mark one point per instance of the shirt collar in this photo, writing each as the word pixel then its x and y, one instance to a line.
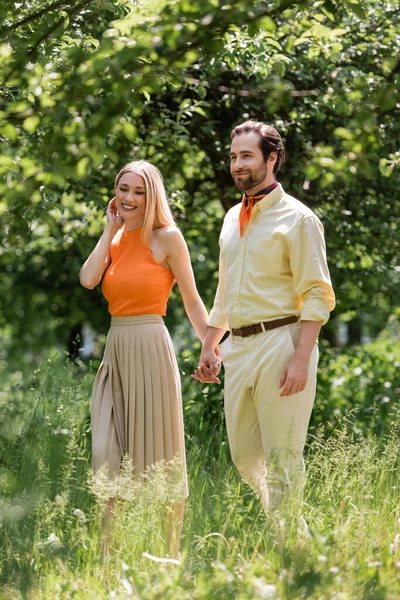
pixel 269 200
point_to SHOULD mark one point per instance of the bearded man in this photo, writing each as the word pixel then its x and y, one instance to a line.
pixel 274 294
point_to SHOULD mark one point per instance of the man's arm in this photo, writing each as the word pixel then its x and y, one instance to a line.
pixel 294 378
pixel 311 278
pixel 312 283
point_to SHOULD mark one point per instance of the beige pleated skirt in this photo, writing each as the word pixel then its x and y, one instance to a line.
pixel 136 400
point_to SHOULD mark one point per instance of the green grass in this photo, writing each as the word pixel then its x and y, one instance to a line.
pixel 51 509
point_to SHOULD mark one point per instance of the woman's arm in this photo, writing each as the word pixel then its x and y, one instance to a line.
pixel 178 259
pixel 97 262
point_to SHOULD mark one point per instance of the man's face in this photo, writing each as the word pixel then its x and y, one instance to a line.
pixel 248 167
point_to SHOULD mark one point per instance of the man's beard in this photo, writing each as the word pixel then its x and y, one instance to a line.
pixel 252 180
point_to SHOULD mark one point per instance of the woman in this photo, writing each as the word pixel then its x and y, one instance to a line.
pixel 136 401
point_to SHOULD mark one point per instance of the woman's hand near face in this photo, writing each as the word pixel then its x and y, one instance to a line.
pixel 112 213
pixel 93 269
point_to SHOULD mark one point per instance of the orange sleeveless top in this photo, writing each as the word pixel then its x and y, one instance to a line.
pixel 135 283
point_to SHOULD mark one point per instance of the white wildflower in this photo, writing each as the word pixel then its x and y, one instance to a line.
pixel 263 589
pixel 334 570
pixel 80 514
pixel 374 563
pixel 127 585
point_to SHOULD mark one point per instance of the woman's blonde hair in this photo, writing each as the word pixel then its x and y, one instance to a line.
pixel 157 210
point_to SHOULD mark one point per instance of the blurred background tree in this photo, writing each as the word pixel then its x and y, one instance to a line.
pixel 88 86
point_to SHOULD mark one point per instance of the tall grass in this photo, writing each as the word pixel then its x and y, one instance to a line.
pixel 51 512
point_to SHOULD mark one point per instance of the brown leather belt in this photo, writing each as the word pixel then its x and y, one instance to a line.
pixel 258 327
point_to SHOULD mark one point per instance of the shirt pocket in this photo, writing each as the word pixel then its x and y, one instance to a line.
pixel 266 256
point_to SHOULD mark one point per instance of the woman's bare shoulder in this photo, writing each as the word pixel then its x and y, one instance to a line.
pixel 169 238
pixel 168 233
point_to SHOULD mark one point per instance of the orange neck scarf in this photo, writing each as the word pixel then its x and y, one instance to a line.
pixel 245 211
pixel 248 203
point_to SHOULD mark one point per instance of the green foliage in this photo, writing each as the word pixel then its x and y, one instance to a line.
pixel 51 509
pixel 361 386
pixel 87 86
pixel 358 387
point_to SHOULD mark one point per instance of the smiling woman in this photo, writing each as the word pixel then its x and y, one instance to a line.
pixel 130 197
pixel 136 401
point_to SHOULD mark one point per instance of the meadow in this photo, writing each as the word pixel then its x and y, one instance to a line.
pixel 51 508
pixel 89 85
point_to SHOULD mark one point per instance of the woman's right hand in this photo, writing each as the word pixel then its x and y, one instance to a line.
pixel 112 214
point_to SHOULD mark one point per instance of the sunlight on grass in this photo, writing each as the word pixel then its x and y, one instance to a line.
pixel 345 546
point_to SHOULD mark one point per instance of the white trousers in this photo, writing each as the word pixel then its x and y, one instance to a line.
pixel 267 432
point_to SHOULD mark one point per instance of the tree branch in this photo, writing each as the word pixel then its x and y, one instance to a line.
pixel 34 16
pixel 47 34
pixel 372 29
pixel 57 24
pixel 238 92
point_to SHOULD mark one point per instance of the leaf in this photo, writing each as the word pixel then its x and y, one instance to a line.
pixel 386 167
pixel 28 167
pixel 312 172
pixel 9 131
pixel 280 68
pixel 325 161
pixel 313 52
pixel 328 14
pixel 200 111
pixel 82 166
pixel 366 262
pixel 267 24
pixel 30 123
pixel 303 38
pixel 7 161
pixel 130 131
pixel 46 101
pixel 343 133
pixel 357 9
pixel 93 41
pixel 339 32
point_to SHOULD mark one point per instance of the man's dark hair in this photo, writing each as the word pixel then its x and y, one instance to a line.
pixel 269 139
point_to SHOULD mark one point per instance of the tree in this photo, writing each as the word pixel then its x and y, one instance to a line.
pixel 87 86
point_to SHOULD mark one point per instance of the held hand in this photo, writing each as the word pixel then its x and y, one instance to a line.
pixel 209 366
pixel 112 214
pixel 294 378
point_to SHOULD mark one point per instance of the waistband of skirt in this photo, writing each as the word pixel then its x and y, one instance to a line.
pixel 136 320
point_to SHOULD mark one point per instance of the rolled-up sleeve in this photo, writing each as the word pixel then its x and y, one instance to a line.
pixel 311 278
pixel 217 317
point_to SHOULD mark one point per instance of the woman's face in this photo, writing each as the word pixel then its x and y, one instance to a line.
pixel 130 195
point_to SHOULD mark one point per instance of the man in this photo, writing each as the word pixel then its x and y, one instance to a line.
pixel 274 294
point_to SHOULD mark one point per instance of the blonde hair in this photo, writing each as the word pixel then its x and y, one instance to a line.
pixel 157 210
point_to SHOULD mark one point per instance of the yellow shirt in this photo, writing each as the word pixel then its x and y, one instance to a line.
pixel 277 269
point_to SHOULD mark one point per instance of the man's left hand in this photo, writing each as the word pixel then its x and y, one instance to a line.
pixel 294 378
